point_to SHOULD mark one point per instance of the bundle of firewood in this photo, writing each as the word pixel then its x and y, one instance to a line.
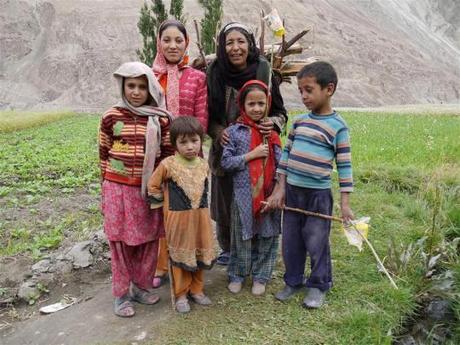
pixel 275 53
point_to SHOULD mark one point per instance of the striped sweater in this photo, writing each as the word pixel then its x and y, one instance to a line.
pixel 193 95
pixel 314 142
pixel 122 145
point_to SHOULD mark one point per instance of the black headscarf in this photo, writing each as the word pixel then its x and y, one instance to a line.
pixel 228 73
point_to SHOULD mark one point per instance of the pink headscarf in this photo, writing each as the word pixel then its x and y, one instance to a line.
pixel 163 69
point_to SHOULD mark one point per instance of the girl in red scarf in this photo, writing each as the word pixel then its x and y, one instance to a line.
pixel 252 160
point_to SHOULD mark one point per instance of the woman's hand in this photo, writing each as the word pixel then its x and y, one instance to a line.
pixel 265 126
pixel 224 138
pixel 260 151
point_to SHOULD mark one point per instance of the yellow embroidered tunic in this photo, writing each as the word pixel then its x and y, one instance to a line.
pixel 181 187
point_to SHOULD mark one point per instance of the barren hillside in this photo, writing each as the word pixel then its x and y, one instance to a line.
pixel 61 53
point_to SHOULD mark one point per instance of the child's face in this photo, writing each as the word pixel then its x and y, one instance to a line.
pixel 173 44
pixel 136 90
pixel 188 146
pixel 314 97
pixel 255 104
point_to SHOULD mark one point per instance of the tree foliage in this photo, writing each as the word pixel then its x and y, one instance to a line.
pixel 151 16
pixel 210 23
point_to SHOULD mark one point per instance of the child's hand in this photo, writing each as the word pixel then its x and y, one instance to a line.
pixel 275 200
pixel 260 151
pixel 347 214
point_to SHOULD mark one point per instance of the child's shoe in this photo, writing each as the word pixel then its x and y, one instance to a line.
pixel 201 299
pixel 287 292
pixel 258 288
pixel 159 280
pixel 314 299
pixel 235 287
pixel 182 306
pixel 123 307
pixel 142 296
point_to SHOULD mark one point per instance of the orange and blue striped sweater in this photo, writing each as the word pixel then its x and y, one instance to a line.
pixel 313 143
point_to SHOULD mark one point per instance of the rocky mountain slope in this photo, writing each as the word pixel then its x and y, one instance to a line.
pixel 61 53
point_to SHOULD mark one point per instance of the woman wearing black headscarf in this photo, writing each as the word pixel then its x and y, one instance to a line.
pixel 238 60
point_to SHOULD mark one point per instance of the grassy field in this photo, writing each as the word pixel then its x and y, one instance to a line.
pixel 13 120
pixel 407 174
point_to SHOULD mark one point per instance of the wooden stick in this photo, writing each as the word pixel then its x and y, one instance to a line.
pixel 262 32
pixel 376 256
pixel 295 39
pixel 337 219
pixel 198 43
pixel 171 283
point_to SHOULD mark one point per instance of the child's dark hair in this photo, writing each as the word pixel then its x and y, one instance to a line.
pixel 323 71
pixel 185 125
pixel 249 89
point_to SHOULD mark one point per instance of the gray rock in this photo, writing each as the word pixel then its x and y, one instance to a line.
pixel 28 291
pixel 99 236
pixel 407 340
pixel 42 266
pixel 438 310
pixel 81 254
pixel 64 266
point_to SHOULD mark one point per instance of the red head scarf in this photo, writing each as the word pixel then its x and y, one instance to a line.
pixel 261 170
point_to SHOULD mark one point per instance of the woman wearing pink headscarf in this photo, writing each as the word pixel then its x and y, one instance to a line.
pixel 186 94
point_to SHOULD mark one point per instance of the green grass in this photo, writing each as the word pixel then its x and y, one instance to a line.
pixel 396 159
pixel 13 120
pixel 394 156
pixel 40 169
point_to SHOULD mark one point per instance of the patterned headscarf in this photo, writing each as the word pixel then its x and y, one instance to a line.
pixel 167 73
pixel 155 109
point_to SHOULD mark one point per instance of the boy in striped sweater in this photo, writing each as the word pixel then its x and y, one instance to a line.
pixel 315 140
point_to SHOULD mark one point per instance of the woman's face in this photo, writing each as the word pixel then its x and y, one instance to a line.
pixel 237 48
pixel 173 44
pixel 136 90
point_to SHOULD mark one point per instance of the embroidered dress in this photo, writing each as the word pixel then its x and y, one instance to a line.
pixel 186 212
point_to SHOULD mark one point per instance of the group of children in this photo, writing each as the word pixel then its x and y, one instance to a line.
pixel 155 184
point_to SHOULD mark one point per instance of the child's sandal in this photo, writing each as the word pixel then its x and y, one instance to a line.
pixel 142 296
pixel 123 307
pixel 182 306
pixel 201 299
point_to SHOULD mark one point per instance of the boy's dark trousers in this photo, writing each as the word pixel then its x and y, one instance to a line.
pixel 307 234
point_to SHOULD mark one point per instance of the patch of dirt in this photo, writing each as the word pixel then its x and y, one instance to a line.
pixel 54 203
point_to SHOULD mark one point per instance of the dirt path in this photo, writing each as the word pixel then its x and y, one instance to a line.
pixel 92 321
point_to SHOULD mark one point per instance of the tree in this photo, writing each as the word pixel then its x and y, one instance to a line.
pixel 149 21
pixel 176 9
pixel 210 23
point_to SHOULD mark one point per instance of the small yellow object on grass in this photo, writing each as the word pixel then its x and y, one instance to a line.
pixel 356 231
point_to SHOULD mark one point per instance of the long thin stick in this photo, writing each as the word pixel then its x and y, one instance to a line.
pixel 337 219
pixel 198 43
pixel 171 283
pixel 376 257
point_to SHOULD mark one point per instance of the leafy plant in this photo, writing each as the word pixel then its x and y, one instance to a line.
pixel 213 12
pixel 149 22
